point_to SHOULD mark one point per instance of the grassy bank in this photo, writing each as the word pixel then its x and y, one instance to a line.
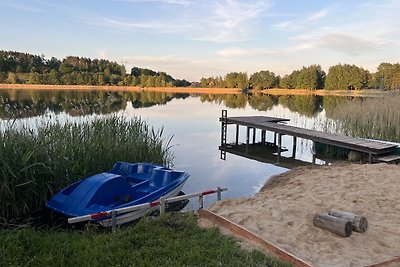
pixel 38 161
pixel 376 118
pixel 172 241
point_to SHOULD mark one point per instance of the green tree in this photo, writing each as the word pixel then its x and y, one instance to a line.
pixel 33 78
pixel 12 78
pixel 312 77
pixel 347 77
pixel 3 77
pixel 263 80
pixel 237 80
pixel 387 77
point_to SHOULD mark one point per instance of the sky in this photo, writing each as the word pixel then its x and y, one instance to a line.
pixel 192 39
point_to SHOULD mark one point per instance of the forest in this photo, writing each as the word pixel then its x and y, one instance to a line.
pixel 19 68
pixel 339 77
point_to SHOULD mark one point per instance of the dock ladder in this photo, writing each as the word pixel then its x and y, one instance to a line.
pixel 224 130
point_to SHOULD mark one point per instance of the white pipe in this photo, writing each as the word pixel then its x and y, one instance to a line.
pixel 89 217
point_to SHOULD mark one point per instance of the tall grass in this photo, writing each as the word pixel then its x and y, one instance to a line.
pixel 37 162
pixel 376 118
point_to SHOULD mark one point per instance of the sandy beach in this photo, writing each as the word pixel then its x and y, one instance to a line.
pixel 282 212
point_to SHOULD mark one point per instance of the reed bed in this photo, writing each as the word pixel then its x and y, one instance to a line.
pixel 375 118
pixel 38 161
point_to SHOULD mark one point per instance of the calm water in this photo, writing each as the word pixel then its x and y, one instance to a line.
pixel 192 120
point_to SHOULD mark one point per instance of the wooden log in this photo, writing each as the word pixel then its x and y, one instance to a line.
pixel 339 226
pixel 360 223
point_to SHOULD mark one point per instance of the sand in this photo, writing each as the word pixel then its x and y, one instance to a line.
pixel 282 212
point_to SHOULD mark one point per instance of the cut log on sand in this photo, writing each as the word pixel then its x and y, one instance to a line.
pixel 339 226
pixel 360 223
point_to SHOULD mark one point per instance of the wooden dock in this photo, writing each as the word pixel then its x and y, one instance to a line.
pixel 373 149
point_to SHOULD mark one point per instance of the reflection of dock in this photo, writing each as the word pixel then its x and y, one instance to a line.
pixel 266 153
pixel 373 149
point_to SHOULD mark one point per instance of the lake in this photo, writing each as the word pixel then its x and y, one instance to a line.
pixel 191 120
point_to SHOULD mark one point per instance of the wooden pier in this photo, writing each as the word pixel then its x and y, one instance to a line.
pixel 373 149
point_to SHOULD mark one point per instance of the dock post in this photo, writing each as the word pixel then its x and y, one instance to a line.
pixel 275 139
pixel 263 137
pixel 219 190
pixel 162 206
pixel 237 134
pixel 314 152
pixel 254 135
pixel 279 147
pixel 247 139
pixel 294 146
pixel 201 202
pixel 113 221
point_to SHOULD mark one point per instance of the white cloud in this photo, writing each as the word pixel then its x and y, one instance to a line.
pixel 218 21
pixel 339 41
pixel 318 15
pixel 285 25
pixel 176 2
pixel 238 52
pixel 231 20
pixel 158 26
pixel 23 7
pixel 348 43
pixel 302 22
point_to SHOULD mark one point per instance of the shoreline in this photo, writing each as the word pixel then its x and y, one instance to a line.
pixel 114 88
pixel 321 92
pixel 191 90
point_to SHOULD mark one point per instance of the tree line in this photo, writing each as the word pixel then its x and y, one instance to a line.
pixel 17 67
pixel 339 77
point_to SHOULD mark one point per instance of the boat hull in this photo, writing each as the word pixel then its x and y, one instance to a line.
pixel 124 186
pixel 137 214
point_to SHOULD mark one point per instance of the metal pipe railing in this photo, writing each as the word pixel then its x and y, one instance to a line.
pixel 161 203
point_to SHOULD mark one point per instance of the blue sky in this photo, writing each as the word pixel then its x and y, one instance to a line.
pixel 192 39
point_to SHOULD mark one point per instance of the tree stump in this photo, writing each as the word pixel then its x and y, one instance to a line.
pixel 360 223
pixel 339 226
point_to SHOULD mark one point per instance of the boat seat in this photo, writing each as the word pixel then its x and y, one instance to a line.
pixel 160 178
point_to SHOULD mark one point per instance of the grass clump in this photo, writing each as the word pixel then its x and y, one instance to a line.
pixel 375 118
pixel 38 161
pixel 172 241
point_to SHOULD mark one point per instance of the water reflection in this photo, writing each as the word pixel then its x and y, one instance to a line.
pixel 267 153
pixel 192 120
pixel 29 103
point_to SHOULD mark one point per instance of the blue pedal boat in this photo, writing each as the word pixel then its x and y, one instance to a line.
pixel 125 185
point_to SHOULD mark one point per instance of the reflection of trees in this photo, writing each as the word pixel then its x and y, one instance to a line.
pixel 331 103
pixel 236 101
pixel 263 102
pixel 148 99
pixel 212 98
pixel 230 101
pixel 307 105
pixel 25 103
